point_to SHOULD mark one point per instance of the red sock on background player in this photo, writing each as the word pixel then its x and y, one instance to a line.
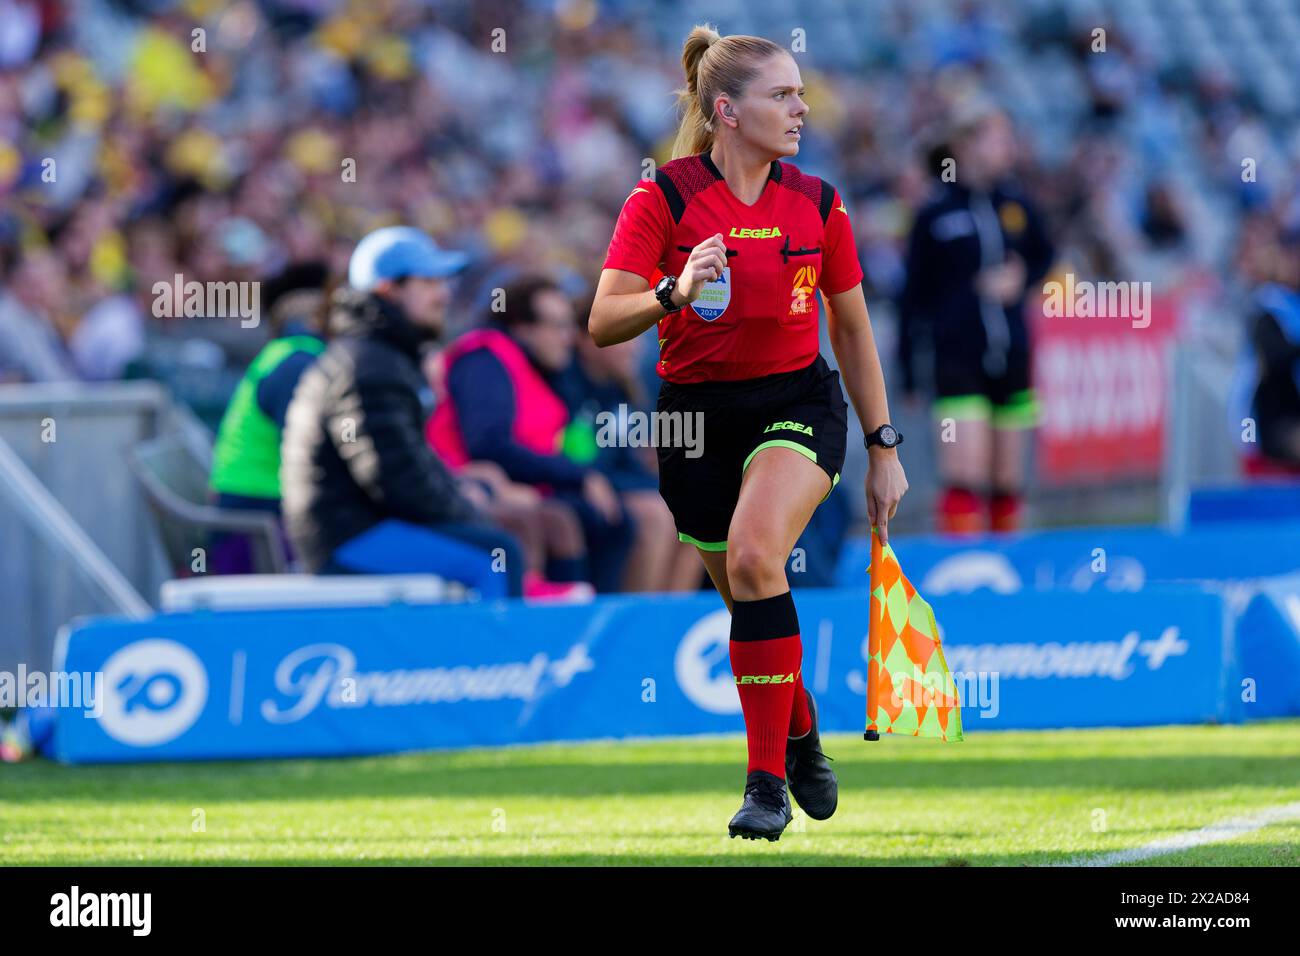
pixel 1004 510
pixel 959 511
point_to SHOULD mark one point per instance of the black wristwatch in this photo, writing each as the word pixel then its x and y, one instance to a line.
pixel 664 293
pixel 886 436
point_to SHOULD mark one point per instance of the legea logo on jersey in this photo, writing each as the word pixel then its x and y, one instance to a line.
pixel 703 665
pixel 153 692
pixel 714 297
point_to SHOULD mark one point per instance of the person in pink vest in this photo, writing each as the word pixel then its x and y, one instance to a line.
pixel 498 404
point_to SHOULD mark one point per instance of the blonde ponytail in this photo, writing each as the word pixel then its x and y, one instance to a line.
pixel 694 134
pixel 713 64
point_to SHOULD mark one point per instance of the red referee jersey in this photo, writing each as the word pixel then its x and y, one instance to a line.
pixel 760 317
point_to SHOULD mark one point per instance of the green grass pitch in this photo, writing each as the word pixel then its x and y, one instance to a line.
pixel 1007 798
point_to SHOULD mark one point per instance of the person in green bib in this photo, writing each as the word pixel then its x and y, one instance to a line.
pixel 246 458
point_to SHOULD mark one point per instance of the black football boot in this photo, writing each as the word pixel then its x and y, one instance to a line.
pixel 766 810
pixel 812 781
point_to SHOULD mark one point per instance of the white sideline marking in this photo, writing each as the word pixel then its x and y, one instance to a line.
pixel 1214 833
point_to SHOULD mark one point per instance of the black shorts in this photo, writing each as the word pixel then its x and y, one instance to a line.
pixel 964 390
pixel 699 478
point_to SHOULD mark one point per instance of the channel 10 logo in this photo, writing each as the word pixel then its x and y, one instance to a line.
pixel 153 692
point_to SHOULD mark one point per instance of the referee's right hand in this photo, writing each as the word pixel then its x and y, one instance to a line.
pixel 705 264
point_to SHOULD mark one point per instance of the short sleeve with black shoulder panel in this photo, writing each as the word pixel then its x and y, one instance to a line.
pixel 841 268
pixel 642 232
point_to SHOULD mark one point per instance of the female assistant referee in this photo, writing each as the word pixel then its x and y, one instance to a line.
pixel 725 250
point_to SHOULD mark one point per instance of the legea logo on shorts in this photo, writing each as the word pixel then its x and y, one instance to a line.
pixel 153 692
pixel 703 665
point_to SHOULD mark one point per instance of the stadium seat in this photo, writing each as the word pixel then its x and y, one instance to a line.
pixel 175 484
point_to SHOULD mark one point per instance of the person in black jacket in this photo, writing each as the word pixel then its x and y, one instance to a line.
pixel 974 252
pixel 362 491
pixel 1273 356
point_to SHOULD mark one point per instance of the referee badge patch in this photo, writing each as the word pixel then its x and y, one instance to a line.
pixel 714 297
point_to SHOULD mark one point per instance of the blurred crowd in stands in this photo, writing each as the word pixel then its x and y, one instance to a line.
pixel 233 140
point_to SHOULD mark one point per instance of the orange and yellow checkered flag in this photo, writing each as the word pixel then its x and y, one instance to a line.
pixel 910 689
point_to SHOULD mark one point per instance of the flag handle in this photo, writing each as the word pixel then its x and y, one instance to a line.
pixel 873 640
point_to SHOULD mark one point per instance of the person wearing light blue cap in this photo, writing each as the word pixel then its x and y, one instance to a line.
pixel 403 264
pixel 396 251
pixel 362 491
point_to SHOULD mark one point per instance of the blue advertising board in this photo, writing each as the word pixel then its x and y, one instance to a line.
pixel 1265 638
pixel 212 685
pixel 1089 559
pixel 1274 500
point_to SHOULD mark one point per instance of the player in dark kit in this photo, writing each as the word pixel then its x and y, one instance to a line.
pixel 725 250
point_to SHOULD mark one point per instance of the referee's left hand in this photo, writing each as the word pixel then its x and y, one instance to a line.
pixel 885 486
